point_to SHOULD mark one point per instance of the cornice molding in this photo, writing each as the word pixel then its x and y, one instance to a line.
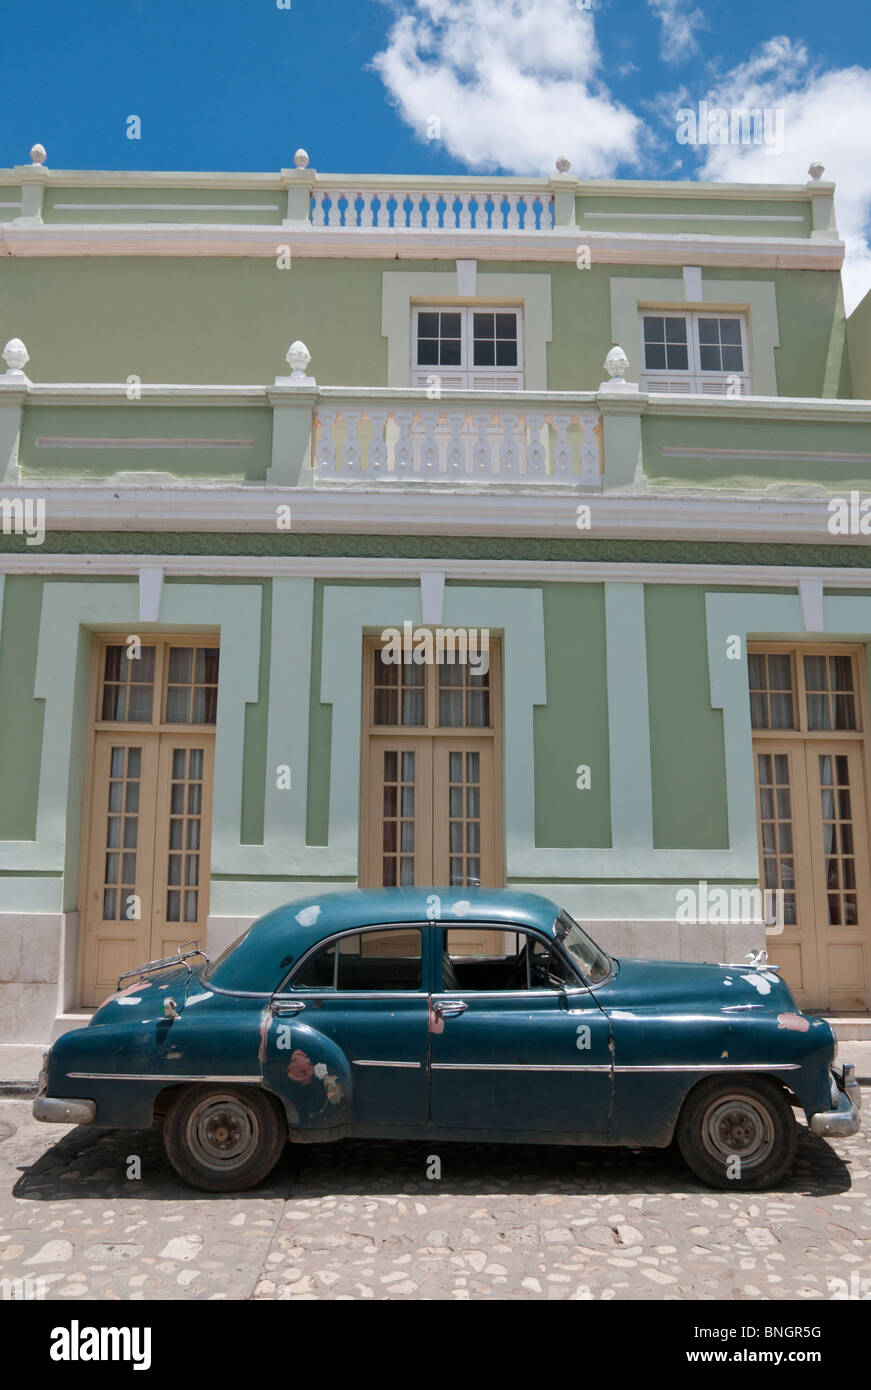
pixel 431 511
pixel 271 179
pixel 373 243
pixel 776 408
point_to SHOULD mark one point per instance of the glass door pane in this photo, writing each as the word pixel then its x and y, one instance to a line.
pixel 181 868
pixel 784 861
pixel 397 814
pixel 464 800
pixel 117 902
pixel 839 858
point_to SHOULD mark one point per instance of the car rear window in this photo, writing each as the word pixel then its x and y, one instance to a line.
pixel 246 968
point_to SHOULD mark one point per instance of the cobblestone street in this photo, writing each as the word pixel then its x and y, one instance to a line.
pixel 363 1221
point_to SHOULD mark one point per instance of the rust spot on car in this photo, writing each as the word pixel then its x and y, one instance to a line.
pixel 122 993
pixel 300 1068
pixel 264 1030
pixel 334 1089
pixel 796 1023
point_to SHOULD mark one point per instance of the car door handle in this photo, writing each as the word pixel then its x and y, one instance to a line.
pixel 287 1006
pixel 450 1008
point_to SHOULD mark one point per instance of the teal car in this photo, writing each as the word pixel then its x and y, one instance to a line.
pixel 448 1014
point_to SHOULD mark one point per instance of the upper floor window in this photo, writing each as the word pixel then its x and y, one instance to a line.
pixel 695 354
pixel 183 675
pixel 468 349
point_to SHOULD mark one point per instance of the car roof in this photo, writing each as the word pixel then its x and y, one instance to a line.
pixel 320 914
pixel 289 931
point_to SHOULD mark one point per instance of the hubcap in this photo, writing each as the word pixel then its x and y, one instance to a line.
pixel 738 1127
pixel 222 1132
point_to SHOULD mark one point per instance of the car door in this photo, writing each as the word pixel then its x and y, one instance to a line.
pixel 356 1009
pixel 517 1042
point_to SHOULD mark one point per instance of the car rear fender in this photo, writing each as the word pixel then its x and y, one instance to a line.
pixel 310 1074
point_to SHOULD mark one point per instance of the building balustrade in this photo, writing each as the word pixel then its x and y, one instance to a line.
pixel 436 209
pixel 480 442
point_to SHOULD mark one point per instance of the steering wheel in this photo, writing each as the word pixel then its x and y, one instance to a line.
pixel 540 976
pixel 518 977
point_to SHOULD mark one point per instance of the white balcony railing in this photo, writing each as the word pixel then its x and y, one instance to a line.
pixel 448 443
pixel 440 209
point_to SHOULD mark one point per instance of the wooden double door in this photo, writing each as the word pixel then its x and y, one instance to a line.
pixel 431 812
pixel 148 808
pixel 431 803
pixel 812 806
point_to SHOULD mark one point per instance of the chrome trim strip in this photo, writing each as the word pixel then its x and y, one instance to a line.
pixel 519 1066
pixel 154 1076
pixel 353 993
pixel 718 1066
pixel 361 1062
pixel 453 996
pixel 606 1066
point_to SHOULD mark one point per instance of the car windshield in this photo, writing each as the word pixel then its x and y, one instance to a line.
pixel 590 959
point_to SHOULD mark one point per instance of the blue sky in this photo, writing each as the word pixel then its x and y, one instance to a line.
pixel 240 84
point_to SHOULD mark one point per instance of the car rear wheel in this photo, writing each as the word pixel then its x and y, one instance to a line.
pixel 223 1138
pixel 738 1133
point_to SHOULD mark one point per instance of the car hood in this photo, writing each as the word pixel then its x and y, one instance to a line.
pixel 142 1001
pixel 685 984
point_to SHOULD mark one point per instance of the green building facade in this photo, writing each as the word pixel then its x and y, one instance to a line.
pixel 618 432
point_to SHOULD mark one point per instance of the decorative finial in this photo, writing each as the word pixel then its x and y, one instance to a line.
pixel 816 171
pixel 563 164
pixel 298 358
pixel 300 159
pixel 617 364
pixel 38 154
pixel 16 357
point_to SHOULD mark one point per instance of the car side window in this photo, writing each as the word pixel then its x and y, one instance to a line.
pixel 513 960
pixel 386 959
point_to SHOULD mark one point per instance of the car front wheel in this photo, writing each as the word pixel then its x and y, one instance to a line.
pixel 223 1138
pixel 738 1134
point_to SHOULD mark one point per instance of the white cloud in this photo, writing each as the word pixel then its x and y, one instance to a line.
pixel 513 83
pixel 826 117
pixel 680 20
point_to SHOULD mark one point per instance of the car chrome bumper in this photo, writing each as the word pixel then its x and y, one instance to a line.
pixel 61 1111
pixel 844 1119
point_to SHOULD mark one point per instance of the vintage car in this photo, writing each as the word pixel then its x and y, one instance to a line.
pixel 448 1014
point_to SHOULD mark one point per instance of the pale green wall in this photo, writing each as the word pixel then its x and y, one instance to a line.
pixel 859 344
pixel 20 715
pixel 251 426
pixel 254 772
pixel 231 320
pixel 320 735
pixel 686 736
pixel 572 728
pixel 176 205
pixel 713 209
pixel 699 434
